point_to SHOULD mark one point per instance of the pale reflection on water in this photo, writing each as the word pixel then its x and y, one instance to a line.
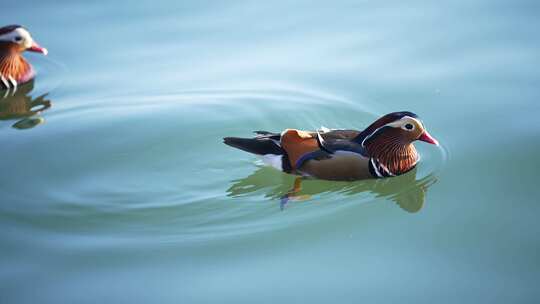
pixel 406 191
pixel 18 105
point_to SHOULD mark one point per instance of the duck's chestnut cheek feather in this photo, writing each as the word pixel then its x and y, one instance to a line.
pixel 428 138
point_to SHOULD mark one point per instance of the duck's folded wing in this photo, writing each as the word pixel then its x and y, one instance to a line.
pixel 332 134
pixel 340 134
pixel 333 145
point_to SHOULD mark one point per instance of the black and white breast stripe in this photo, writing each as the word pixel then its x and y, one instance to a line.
pixel 378 170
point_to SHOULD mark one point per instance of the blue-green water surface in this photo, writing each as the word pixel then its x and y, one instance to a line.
pixel 115 186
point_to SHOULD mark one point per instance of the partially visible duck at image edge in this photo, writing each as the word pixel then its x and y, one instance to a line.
pixel 14 69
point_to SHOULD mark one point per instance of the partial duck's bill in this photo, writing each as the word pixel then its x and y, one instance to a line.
pixel 38 49
pixel 428 138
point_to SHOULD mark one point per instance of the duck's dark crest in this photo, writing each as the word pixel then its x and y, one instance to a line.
pixel 386 119
pixel 8 28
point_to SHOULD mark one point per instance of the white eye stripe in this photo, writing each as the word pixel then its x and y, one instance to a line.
pixel 395 124
pixel 19 35
pixel 403 121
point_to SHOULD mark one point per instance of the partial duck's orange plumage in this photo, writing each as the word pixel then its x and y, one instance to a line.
pixel 298 143
pixel 12 64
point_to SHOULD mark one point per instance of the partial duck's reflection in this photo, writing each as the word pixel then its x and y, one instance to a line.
pixel 18 104
pixel 405 190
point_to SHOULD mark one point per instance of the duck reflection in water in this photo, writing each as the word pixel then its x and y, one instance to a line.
pixel 18 104
pixel 405 190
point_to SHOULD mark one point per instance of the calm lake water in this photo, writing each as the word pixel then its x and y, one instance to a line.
pixel 121 191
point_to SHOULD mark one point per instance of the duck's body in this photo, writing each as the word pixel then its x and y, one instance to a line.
pixel 384 149
pixel 14 69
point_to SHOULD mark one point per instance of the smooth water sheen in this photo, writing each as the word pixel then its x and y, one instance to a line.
pixel 116 187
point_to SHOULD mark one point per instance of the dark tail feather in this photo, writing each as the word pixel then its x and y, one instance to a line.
pixel 266 133
pixel 269 135
pixel 260 146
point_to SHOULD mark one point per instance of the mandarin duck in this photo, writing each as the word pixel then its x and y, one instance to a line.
pixel 383 149
pixel 14 69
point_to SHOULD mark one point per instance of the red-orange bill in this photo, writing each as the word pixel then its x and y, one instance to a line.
pixel 38 49
pixel 428 138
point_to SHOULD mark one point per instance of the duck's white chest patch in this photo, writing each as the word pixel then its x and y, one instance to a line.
pixel 273 160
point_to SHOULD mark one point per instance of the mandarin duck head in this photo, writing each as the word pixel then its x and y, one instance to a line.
pixel 389 141
pixel 14 69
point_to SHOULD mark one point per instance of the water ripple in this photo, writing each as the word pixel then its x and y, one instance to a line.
pixel 162 174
